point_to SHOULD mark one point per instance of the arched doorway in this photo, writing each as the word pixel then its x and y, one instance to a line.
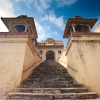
pixel 50 55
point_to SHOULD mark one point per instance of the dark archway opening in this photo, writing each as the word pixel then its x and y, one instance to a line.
pixel 50 55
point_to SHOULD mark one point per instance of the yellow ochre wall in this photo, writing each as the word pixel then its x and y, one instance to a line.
pixel 31 61
pixel 63 59
pixel 83 55
pixel 97 29
pixel 16 54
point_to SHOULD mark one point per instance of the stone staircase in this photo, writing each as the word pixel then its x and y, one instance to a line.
pixel 50 81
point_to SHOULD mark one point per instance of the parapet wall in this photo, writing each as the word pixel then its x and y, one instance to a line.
pixel 31 61
pixel 18 58
pixel 83 55
pixel 63 59
pixel 97 30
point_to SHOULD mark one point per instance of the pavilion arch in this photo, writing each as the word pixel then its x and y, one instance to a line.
pixel 50 55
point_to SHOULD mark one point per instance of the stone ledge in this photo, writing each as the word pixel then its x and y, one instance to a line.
pixel 82 38
pixel 13 33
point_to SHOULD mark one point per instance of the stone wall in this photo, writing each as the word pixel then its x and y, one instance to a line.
pixel 63 59
pixel 97 29
pixel 83 55
pixel 31 61
pixel 17 54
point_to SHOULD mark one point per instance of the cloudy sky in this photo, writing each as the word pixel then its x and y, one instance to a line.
pixel 50 15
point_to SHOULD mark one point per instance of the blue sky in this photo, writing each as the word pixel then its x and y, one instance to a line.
pixel 50 15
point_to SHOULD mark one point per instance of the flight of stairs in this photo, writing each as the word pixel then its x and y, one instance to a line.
pixel 50 81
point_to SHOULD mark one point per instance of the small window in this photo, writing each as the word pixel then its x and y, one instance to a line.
pixel 59 52
pixel 40 52
pixel 81 28
pixel 20 28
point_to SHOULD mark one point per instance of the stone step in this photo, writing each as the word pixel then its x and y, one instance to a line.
pixel 50 69
pixel 37 73
pixel 52 90
pixel 55 75
pixel 50 81
pixel 31 96
pixel 49 85
pixel 49 78
pixel 49 72
pixel 61 77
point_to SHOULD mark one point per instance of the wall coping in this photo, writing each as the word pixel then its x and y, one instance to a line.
pixel 82 38
pixel 17 37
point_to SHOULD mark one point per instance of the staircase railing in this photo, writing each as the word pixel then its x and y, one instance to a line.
pixel 31 66
pixel 72 68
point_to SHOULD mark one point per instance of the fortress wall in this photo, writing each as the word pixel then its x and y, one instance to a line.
pixel 16 55
pixel 97 29
pixel 83 55
pixel 31 61
pixel 63 59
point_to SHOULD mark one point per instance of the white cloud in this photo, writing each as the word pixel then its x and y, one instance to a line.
pixel 45 3
pixel 6 10
pixel 56 33
pixel 28 3
pixel 61 3
pixel 40 5
pixel 53 19
pixel 17 0
pixel 42 32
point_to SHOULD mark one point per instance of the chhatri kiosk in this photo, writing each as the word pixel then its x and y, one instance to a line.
pixel 21 25
pixel 83 52
pixel 78 26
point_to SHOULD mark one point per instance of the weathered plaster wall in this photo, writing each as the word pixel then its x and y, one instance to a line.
pixel 31 61
pixel 11 65
pixel 63 59
pixel 97 29
pixel 17 53
pixel 83 55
